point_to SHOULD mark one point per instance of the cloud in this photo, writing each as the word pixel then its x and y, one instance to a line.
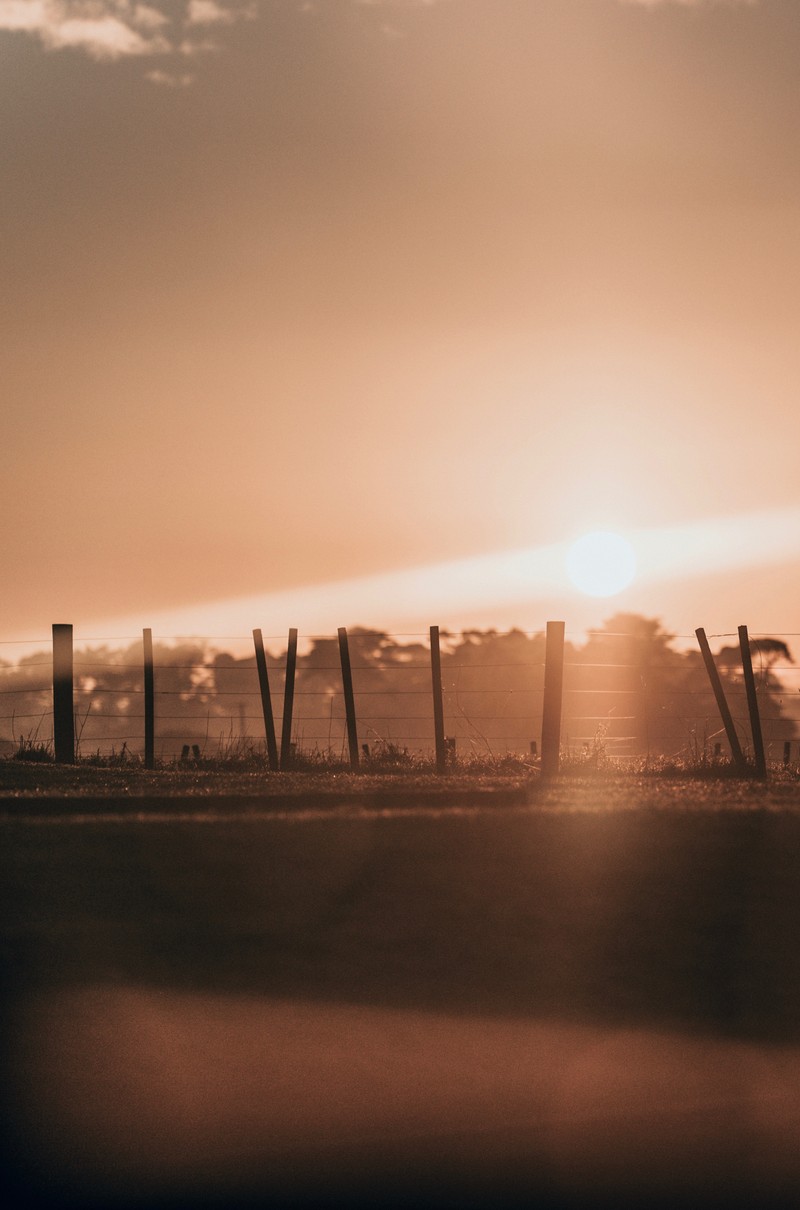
pixel 103 29
pixel 22 14
pixel 169 79
pixel 208 12
pixel 120 29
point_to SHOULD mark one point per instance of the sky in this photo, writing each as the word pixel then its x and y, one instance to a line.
pixel 358 312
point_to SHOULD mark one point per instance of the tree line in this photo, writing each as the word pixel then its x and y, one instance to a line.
pixel 628 690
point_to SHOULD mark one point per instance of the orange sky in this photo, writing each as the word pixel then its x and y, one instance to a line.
pixel 302 293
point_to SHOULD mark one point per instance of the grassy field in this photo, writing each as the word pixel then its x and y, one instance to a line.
pixel 298 958
pixel 230 779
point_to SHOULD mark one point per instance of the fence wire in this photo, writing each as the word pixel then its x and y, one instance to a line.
pixel 631 694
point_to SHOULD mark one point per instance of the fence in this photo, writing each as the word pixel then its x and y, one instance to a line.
pixel 626 693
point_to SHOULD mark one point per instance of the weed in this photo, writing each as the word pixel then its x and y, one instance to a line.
pixel 113 759
pixel 33 749
pixel 384 754
pixel 316 760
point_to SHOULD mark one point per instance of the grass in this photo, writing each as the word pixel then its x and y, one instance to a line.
pixel 240 764
pixel 242 769
pixel 38 751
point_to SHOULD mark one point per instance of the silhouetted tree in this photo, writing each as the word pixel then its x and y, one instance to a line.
pixel 627 690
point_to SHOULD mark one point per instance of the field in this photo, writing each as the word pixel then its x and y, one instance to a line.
pixel 504 993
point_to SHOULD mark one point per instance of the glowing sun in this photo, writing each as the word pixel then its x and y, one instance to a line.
pixel 601 564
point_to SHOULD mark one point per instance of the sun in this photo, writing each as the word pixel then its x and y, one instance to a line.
pixel 601 564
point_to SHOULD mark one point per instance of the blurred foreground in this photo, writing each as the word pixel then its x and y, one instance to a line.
pixel 516 1006
pixel 136 1095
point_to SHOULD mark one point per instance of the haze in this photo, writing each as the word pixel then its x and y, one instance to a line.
pixel 302 293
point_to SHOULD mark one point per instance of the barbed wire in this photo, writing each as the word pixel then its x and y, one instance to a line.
pixel 460 670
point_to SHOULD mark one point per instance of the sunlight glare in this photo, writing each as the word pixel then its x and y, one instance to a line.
pixel 601 564
pixel 519 585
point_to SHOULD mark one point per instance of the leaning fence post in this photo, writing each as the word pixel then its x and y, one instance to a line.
pixel 438 703
pixel 722 705
pixel 752 703
pixel 349 698
pixel 288 701
pixel 553 697
pixel 63 705
pixel 149 701
pixel 266 701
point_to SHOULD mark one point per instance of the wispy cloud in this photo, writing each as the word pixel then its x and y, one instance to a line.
pixel 169 79
pixel 104 29
pixel 210 12
pixel 120 29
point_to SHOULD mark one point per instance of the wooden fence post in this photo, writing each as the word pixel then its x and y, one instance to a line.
pixel 722 705
pixel 149 702
pixel 349 698
pixel 63 693
pixel 553 697
pixel 752 703
pixel 266 701
pixel 288 701
pixel 438 702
